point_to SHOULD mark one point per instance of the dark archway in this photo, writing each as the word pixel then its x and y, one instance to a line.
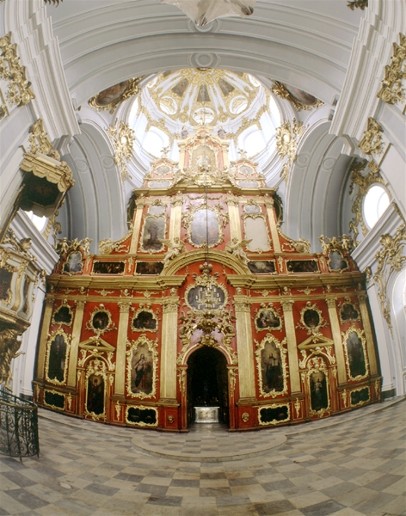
pixel 208 383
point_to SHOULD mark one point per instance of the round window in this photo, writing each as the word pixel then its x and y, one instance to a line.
pixel 375 203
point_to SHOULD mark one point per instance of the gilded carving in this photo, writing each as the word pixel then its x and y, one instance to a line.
pixel 271 362
pixel 144 319
pixel 392 90
pixel 57 357
pixel 236 248
pixel 357 4
pixel 287 139
pixel 371 142
pixel 97 380
pixel 204 224
pixel 356 357
pixel 311 319
pixel 268 318
pixel 390 258
pixel 282 91
pixel 108 246
pixel 273 414
pixel 100 320
pixel 122 139
pixel 113 96
pixel 142 363
pixel 18 92
pixel 39 141
pixel 9 346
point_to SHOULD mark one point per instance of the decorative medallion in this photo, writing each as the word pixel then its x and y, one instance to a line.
pixel 110 98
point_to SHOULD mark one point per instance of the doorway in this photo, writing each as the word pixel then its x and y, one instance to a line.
pixel 207 384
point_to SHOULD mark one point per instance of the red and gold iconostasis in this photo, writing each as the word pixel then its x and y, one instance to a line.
pixel 206 303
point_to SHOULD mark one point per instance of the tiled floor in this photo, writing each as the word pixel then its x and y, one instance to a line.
pixel 347 465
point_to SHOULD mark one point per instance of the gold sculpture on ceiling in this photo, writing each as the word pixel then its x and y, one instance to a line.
pixel 287 139
pixel 390 259
pixel 392 90
pixel 357 4
pixel 18 91
pixel 122 138
pixel 371 142
pixel 202 13
pixel 113 96
pixel 300 99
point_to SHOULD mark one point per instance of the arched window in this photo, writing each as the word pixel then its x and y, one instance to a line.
pixel 375 203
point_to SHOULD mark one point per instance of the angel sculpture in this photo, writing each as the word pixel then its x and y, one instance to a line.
pixel 203 12
pixel 175 247
pixel 235 247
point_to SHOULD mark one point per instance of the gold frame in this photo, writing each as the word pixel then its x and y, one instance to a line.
pixel 275 311
pixel 96 365
pixel 136 312
pixel 132 348
pixel 55 310
pixel 187 219
pixel 54 407
pixel 340 305
pixel 361 336
pixel 254 216
pixel 67 339
pixel 281 346
pixel 274 406
pixel 359 404
pixel 141 240
pixel 302 325
pixel 110 325
pixel 141 407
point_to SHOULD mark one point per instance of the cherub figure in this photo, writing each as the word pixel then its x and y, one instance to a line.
pixel 175 247
pixel 235 247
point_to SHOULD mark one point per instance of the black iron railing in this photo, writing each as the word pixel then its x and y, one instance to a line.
pixel 18 426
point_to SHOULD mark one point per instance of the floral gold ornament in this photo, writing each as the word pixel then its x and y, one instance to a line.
pixel 357 4
pixel 372 142
pixel 287 139
pixel 300 99
pixel 18 92
pixel 392 89
pixel 122 138
pixel 390 259
pixel 110 98
pixel 9 346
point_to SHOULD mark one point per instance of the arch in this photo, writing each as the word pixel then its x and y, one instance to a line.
pixel 95 207
pixel 190 257
pixel 207 385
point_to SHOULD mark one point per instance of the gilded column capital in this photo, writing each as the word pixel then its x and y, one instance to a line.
pixel 287 305
pixel 124 306
pixel 241 304
pixel 170 305
pixel 232 200
pixel 331 302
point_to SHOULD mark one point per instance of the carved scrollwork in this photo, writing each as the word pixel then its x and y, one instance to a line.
pixel 372 142
pixel 392 90
pixel 122 139
pixel 9 346
pixel 18 91
pixel 287 139
pixel 390 258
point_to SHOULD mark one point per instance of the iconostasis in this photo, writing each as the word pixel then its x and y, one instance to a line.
pixel 206 303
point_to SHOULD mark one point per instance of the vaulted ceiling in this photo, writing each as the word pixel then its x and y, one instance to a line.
pixel 304 44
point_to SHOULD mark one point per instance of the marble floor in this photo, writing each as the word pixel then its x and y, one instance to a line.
pixel 346 465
